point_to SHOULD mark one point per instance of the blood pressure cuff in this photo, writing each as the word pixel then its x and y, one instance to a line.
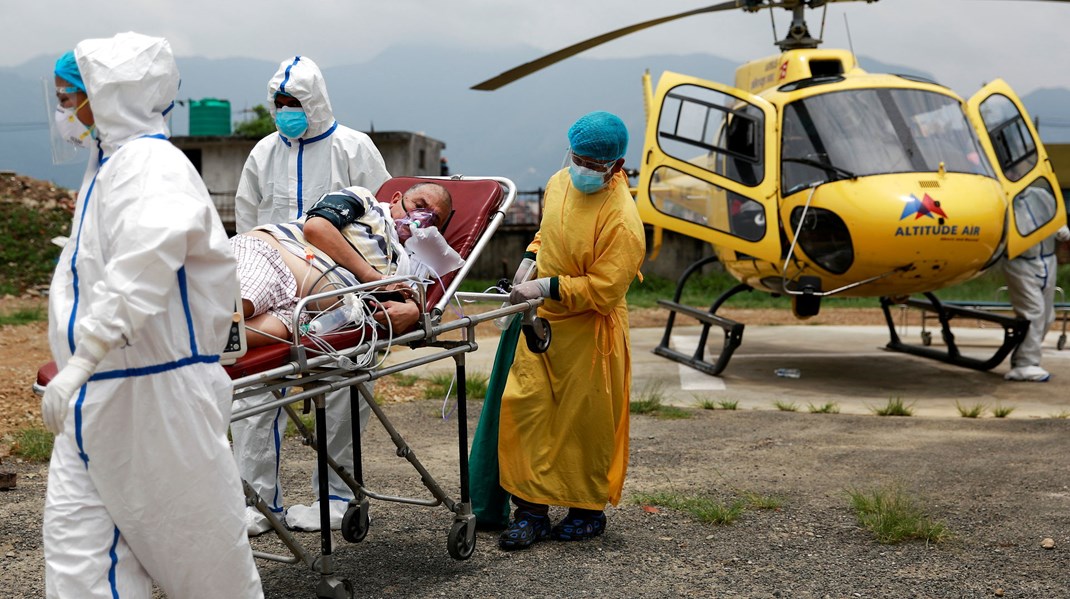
pixel 339 208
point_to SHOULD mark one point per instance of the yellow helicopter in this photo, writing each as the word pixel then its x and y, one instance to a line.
pixel 813 178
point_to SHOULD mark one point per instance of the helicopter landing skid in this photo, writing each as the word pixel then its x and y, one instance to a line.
pixel 1014 330
pixel 733 331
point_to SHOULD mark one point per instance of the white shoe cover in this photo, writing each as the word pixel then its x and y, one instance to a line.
pixel 1033 374
pixel 307 517
pixel 256 523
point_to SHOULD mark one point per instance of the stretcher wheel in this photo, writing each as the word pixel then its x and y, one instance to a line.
pixel 927 338
pixel 355 525
pixel 537 335
pixel 462 540
pixel 1061 344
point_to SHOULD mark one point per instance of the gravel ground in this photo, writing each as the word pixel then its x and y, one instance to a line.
pixel 1001 487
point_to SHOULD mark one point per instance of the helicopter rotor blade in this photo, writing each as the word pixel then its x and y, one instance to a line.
pixel 540 63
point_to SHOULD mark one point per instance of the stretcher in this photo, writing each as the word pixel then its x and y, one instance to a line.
pixel 307 367
pixel 1061 307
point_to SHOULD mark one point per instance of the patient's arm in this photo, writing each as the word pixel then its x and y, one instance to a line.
pixel 321 233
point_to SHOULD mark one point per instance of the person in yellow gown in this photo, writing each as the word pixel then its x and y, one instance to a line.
pixel 563 434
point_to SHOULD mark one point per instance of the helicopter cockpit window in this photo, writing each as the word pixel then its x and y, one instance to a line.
pixel 689 198
pixel 854 133
pixel 713 131
pixel 1034 206
pixel 1015 150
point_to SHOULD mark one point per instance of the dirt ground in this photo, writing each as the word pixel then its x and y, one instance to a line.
pixel 1002 487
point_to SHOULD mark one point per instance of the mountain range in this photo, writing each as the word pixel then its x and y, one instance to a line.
pixel 518 131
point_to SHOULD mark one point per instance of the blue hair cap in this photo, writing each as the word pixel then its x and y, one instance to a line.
pixel 599 135
pixel 67 69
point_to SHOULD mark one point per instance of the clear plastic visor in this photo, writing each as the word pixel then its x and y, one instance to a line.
pixel 63 152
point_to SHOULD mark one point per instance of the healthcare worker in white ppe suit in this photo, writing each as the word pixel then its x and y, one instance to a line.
pixel 1031 290
pixel 142 485
pixel 309 155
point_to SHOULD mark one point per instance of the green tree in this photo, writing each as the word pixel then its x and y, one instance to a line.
pixel 256 126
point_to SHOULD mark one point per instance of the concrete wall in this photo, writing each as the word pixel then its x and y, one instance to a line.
pixel 219 160
pixel 409 154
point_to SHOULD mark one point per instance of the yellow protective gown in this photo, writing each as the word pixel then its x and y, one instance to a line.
pixel 563 436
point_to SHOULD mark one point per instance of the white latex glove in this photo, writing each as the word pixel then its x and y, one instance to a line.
pixel 57 399
pixel 530 290
pixel 527 268
pixel 1063 234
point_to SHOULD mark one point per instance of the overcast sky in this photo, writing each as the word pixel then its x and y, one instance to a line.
pixel 963 43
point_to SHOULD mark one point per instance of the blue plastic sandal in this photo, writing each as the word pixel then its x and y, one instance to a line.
pixel 575 528
pixel 524 532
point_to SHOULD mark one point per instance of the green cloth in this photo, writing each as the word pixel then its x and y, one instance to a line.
pixel 490 503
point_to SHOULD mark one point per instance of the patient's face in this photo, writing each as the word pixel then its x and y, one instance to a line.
pixel 427 197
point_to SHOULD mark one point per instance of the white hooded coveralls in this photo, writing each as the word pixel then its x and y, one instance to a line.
pixel 142 484
pixel 1031 290
pixel 282 179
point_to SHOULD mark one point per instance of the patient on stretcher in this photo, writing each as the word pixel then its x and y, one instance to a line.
pixel 347 237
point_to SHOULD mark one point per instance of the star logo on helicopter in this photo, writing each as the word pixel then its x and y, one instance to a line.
pixel 926 206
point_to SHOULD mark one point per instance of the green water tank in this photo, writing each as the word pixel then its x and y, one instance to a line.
pixel 209 116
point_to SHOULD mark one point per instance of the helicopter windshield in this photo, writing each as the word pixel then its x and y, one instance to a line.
pixel 855 133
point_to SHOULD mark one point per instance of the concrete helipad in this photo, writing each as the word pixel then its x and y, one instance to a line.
pixel 845 365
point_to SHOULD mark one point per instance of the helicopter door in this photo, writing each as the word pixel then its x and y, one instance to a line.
pixel 706 166
pixel 1022 166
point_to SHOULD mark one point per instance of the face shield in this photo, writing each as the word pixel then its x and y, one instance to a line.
pixel 588 175
pixel 67 135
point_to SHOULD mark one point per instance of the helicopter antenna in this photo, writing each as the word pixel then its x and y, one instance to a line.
pixel 824 13
pixel 850 44
pixel 772 22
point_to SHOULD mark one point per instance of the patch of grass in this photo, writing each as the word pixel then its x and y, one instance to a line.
pixel 441 383
pixel 762 502
pixel 893 516
pixel 728 404
pixel 1061 415
pixel 1001 411
pixel 31 260
pixel 646 405
pixel 438 385
pixel 23 316
pixel 786 406
pixel 405 380
pixel 975 411
pixel 702 508
pixel 894 407
pixel 650 399
pixel 827 408
pixel 706 404
pixel 33 444
pixel 672 413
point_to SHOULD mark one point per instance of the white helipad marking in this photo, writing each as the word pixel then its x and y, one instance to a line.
pixel 691 379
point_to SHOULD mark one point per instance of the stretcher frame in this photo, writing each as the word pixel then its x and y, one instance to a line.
pixel 317 374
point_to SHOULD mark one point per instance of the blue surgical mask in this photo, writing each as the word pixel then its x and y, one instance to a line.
pixel 585 179
pixel 291 121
